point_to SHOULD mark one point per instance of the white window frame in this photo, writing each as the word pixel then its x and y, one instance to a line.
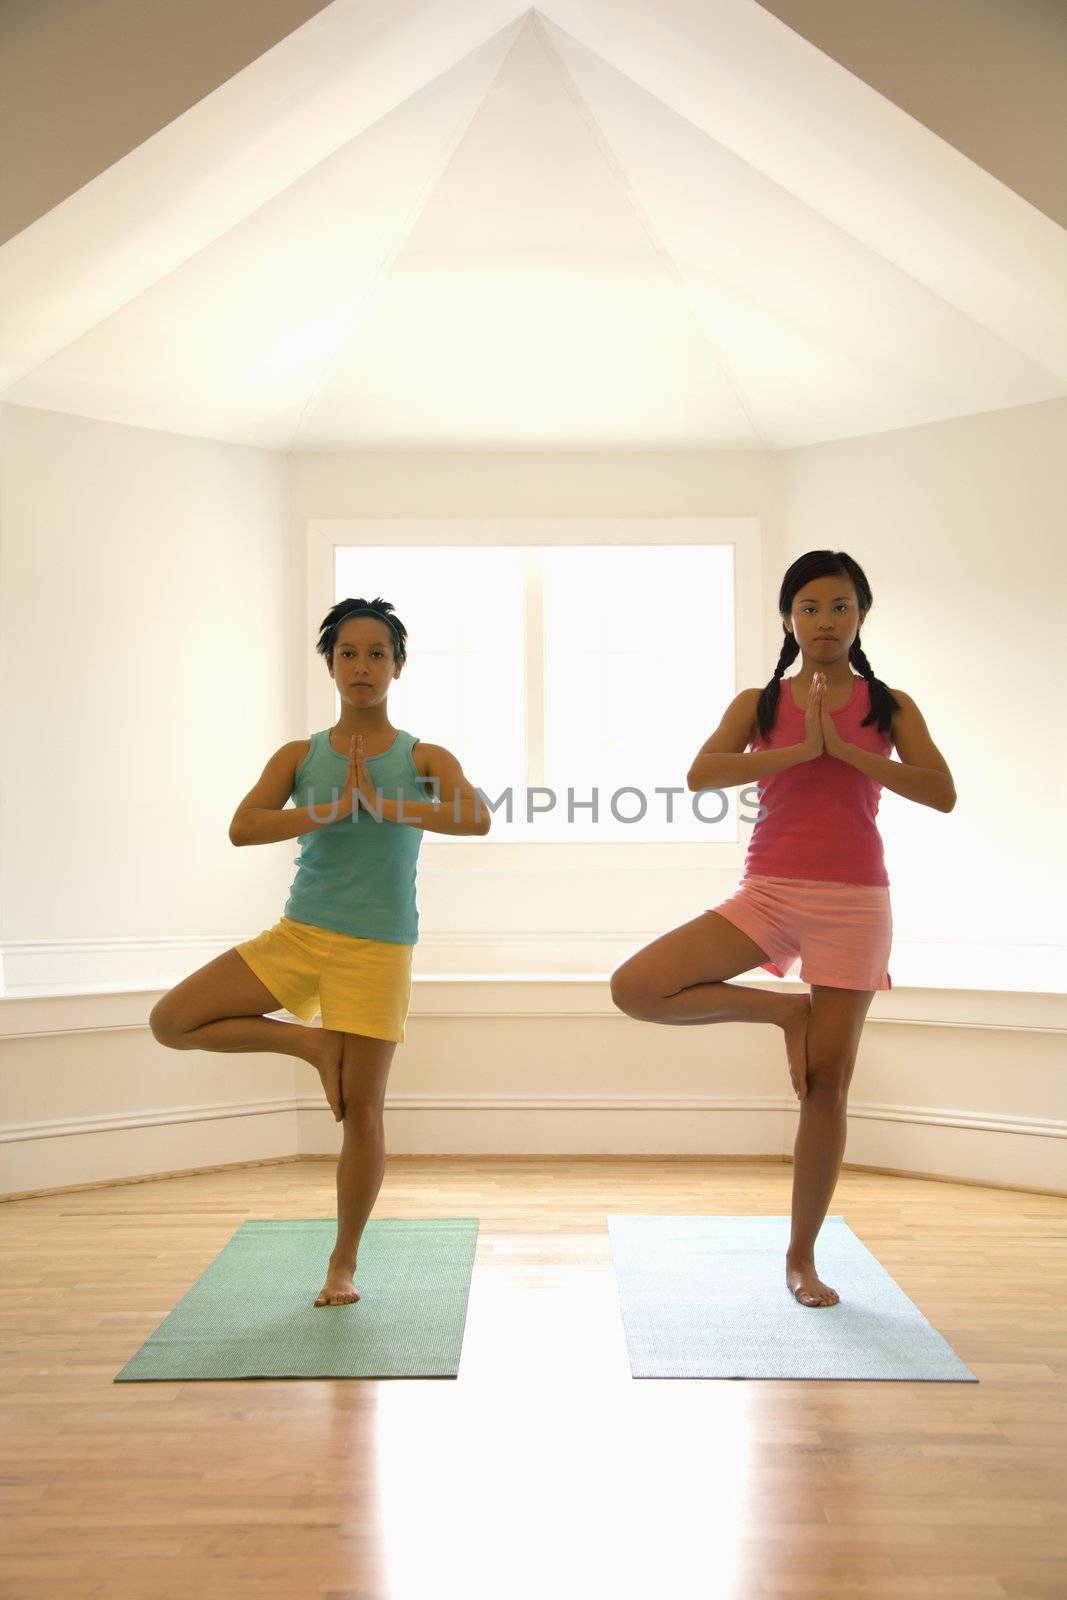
pixel 325 535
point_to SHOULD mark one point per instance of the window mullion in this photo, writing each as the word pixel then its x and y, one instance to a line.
pixel 534 676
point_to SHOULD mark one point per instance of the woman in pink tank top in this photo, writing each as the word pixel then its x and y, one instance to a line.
pixel 817 748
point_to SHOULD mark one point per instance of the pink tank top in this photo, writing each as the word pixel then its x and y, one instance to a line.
pixel 820 821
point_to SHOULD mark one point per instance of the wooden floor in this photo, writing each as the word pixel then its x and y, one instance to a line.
pixel 544 1468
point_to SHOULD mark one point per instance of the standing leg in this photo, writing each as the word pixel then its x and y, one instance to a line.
pixel 361 1166
pixel 837 1018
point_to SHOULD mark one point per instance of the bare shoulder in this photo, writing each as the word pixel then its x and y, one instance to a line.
pixel 750 699
pixel 736 727
pixel 422 754
pixel 429 759
pixel 435 761
pixel 277 781
pixel 910 735
pixel 299 750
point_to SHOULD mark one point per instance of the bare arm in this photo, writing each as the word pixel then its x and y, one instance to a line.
pixel 922 773
pixel 263 825
pixel 723 761
pixel 723 770
pixel 260 818
pixel 922 784
pixel 458 809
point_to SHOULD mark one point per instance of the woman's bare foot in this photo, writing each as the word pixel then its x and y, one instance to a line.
pixel 796 1030
pixel 806 1287
pixel 328 1048
pixel 339 1289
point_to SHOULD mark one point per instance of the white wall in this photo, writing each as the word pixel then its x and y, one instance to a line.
pixel 154 646
pixel 959 527
pixel 146 667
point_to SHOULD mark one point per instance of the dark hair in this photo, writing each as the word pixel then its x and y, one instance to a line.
pixel 331 624
pixel 825 564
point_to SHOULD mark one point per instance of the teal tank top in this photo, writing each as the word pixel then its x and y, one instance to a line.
pixel 357 875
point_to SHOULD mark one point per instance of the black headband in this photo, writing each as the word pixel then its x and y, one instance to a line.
pixel 368 611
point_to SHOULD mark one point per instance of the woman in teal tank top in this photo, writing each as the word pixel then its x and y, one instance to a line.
pixel 364 793
pixel 344 945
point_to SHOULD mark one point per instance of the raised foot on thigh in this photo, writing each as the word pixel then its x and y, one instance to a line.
pixel 806 1287
pixel 327 1052
pixel 796 1036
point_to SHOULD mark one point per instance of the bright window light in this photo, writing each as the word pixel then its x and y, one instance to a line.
pixel 577 670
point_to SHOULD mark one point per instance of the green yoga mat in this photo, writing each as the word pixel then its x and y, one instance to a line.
pixel 251 1314
pixel 706 1297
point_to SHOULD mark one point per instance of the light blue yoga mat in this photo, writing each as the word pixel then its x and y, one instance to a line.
pixel 706 1297
pixel 251 1313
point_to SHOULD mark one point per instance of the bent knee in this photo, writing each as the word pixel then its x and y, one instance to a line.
pixel 631 994
pixel 163 1029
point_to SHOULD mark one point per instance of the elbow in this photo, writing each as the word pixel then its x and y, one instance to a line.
pixel 476 815
pixel 236 837
pixel 701 774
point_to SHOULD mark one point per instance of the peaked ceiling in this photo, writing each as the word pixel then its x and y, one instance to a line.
pixel 601 224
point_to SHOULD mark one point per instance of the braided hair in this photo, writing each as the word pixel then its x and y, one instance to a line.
pixel 821 564
pixel 331 625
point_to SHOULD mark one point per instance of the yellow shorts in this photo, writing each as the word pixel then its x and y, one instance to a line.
pixel 359 985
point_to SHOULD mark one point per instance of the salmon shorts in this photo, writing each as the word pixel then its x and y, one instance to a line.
pixel 842 932
pixel 358 985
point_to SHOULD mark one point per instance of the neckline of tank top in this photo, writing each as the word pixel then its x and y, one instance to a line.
pixel 857 678
pixel 378 757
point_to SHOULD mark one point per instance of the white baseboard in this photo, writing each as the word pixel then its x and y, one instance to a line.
pixel 943 1142
pixel 952 1083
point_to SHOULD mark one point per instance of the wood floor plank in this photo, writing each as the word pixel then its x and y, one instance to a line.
pixel 543 1468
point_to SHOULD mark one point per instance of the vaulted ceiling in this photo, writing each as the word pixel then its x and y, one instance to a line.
pixel 601 224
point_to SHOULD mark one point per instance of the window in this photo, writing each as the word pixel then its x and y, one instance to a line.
pixel 569 669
